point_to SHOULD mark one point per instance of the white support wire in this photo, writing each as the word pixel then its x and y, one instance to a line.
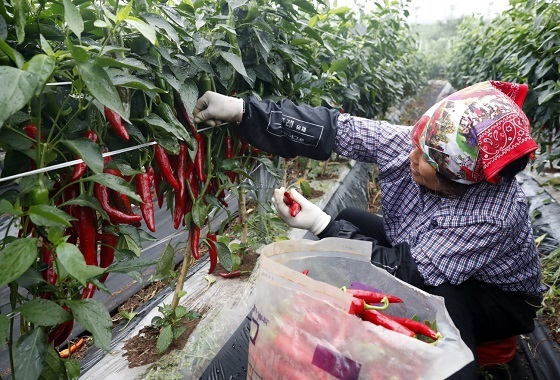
pixel 74 162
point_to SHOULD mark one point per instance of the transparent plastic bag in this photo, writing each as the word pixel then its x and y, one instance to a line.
pixel 301 328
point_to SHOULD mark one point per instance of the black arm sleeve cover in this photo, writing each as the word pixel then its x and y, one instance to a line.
pixel 396 260
pixel 287 130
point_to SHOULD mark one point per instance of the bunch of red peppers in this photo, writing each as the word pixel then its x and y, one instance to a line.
pixel 185 179
pixel 366 305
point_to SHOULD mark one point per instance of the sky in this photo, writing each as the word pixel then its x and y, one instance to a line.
pixel 430 11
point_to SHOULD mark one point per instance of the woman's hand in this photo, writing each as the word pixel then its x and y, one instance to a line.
pixel 309 217
pixel 213 109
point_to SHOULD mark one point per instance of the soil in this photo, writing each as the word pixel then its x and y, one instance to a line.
pixel 141 349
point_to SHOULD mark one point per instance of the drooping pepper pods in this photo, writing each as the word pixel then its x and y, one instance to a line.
pixel 180 169
pixel 117 123
pixel 194 239
pixel 199 158
pixel 116 216
pixel 80 169
pixel 143 188
pixel 165 167
pixel 212 251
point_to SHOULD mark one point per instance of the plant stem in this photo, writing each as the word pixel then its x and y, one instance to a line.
pixel 243 215
pixel 181 280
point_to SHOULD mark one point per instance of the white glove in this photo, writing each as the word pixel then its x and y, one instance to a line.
pixel 213 109
pixel 310 217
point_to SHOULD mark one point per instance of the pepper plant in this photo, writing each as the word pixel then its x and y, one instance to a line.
pixel 96 129
pixel 520 45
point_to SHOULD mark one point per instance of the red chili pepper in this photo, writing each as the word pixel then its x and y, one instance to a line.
pixel 116 122
pixel 157 186
pixel 165 168
pixel 255 151
pixel 194 240
pixel 179 210
pixel 233 274
pixel 381 319
pixel 31 131
pixel 88 291
pixel 358 306
pixel 212 251
pixel 373 297
pixel 107 252
pixel 151 174
pixel 199 158
pixel 295 207
pixel 116 216
pixel 143 187
pixel 416 326
pixel 80 169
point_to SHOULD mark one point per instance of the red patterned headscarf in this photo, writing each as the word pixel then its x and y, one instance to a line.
pixel 474 133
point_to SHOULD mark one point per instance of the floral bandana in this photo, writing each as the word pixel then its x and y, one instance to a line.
pixel 474 133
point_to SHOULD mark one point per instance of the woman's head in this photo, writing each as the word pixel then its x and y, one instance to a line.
pixel 476 134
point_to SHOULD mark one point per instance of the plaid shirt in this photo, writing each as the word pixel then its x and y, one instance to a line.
pixel 485 234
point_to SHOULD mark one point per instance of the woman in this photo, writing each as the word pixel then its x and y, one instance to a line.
pixel 455 220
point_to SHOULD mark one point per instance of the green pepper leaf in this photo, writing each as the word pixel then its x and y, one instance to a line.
pixel 88 151
pixel 164 339
pixel 94 317
pixel 73 18
pixel 145 29
pixel 73 261
pixel 175 129
pixel 43 312
pixel 224 255
pixel 16 257
pixel 131 265
pixel 166 263
pixel 42 66
pixel 52 365
pixel 7 208
pixel 30 350
pixel 19 88
pixel 49 216
pixel 86 200
pixel 123 79
pixel 124 63
pixel 101 87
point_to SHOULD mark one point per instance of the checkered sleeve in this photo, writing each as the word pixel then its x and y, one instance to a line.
pixel 372 141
